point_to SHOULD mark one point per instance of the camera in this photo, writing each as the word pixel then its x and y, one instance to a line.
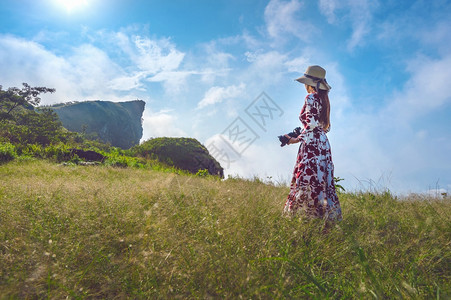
pixel 294 134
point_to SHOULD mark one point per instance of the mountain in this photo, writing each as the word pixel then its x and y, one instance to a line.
pixel 184 153
pixel 117 123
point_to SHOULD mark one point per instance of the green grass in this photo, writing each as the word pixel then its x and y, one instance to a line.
pixel 103 232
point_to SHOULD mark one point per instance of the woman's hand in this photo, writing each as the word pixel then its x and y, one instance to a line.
pixel 291 140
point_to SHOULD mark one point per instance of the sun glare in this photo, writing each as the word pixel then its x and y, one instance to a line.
pixel 72 5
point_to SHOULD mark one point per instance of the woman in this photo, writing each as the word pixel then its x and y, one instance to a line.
pixel 312 187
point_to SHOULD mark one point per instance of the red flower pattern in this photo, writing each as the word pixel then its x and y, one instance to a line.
pixel 312 190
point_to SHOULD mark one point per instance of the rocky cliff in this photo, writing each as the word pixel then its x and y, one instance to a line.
pixel 117 123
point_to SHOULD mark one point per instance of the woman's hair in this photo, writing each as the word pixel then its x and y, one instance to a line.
pixel 324 114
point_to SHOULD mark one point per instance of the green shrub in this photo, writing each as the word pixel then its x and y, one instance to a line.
pixel 7 152
pixel 202 173
pixel 75 159
pixel 31 150
pixel 59 152
pixel 338 186
pixel 117 159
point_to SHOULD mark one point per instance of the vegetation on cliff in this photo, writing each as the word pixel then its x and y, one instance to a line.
pixel 184 153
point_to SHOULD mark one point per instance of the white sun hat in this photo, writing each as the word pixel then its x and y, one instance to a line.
pixel 316 77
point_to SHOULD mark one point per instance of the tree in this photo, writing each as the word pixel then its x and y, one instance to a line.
pixel 13 97
pixel 22 123
pixel 41 127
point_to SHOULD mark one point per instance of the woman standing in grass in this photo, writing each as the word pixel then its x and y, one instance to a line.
pixel 312 186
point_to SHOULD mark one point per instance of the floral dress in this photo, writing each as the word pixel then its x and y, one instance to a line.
pixel 312 189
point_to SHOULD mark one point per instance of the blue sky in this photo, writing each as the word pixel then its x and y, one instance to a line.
pixel 223 72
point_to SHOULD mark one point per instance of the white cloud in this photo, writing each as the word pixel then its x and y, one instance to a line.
pixel 88 72
pixel 358 13
pixel 216 57
pixel 153 60
pixel 92 69
pixel 360 31
pixel 155 56
pixel 173 81
pixel 266 68
pixel 260 159
pixel 398 140
pixel 46 35
pixel 281 18
pixel 127 82
pixel 215 61
pixel 427 89
pixel 161 124
pixel 361 15
pixel 250 41
pixel 218 94
pixel 339 95
pixel 297 65
pixel 26 61
pixel 328 7
pixel 436 36
pixel 431 32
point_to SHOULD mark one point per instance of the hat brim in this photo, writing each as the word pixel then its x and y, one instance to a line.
pixel 310 82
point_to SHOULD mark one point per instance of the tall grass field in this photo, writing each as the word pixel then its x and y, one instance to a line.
pixel 102 232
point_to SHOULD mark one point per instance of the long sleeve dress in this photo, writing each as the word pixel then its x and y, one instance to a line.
pixel 312 190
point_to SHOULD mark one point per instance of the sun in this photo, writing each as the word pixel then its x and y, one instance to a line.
pixel 72 5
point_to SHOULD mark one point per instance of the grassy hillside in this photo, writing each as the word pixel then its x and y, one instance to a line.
pixel 96 231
